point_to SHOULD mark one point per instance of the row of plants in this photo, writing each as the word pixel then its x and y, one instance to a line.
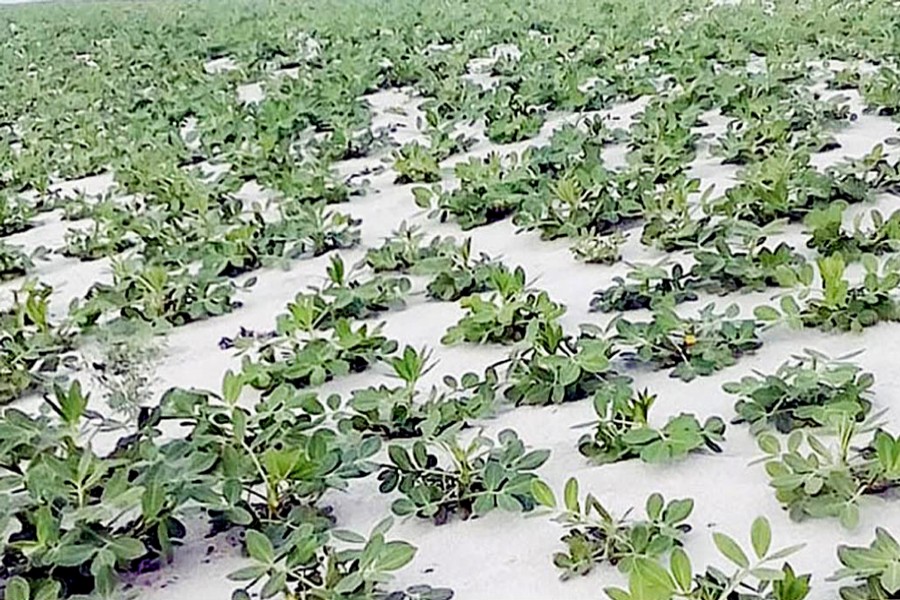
pixel 260 457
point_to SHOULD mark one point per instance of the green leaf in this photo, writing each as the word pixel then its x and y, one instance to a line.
pixel 349 583
pixel 152 500
pixel 17 589
pixel 678 510
pixel 785 552
pixel 680 565
pixel 731 550
pixel 484 504
pixel 542 493
pixel 231 387
pixel 508 502
pixel 570 495
pixel 396 555
pixel 890 578
pixel 766 313
pixel 493 476
pixel 532 460
pixel 655 504
pixel 248 573
pixel 649 581
pixel 400 457
pixel 49 589
pixel 276 584
pixel 403 507
pixel 761 536
pixel 850 516
pixel 74 555
pixel 259 547
pixel 346 535
pixel 127 548
pixel 789 306
pixel 767 574
pixel 617 594
pixel 769 444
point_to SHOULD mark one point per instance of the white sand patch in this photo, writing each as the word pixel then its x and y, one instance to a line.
pixel 220 65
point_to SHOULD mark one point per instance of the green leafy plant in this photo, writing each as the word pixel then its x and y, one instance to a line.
pixel 31 344
pixel 671 222
pixel 661 138
pixel 415 163
pixel 443 140
pixel 831 481
pixel 478 477
pixel 744 264
pixel 693 346
pixel 405 251
pixel 875 569
pixel 509 119
pixel 585 199
pixel 343 297
pixel 15 215
pixel 827 235
pixel 15 263
pixel 751 579
pixel 311 360
pixel 303 229
pixel 507 315
pixel 804 392
pixel 489 190
pixel 839 305
pixel 882 91
pixel 652 284
pixel 85 517
pixel 556 368
pixel 465 275
pixel 155 294
pixel 100 240
pixel 277 456
pixel 594 536
pixel 623 431
pixel 306 563
pixel 396 412
pixel 783 185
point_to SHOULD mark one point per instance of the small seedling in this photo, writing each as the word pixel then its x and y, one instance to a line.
pixel 603 250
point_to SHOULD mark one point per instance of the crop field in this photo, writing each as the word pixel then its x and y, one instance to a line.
pixel 432 299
